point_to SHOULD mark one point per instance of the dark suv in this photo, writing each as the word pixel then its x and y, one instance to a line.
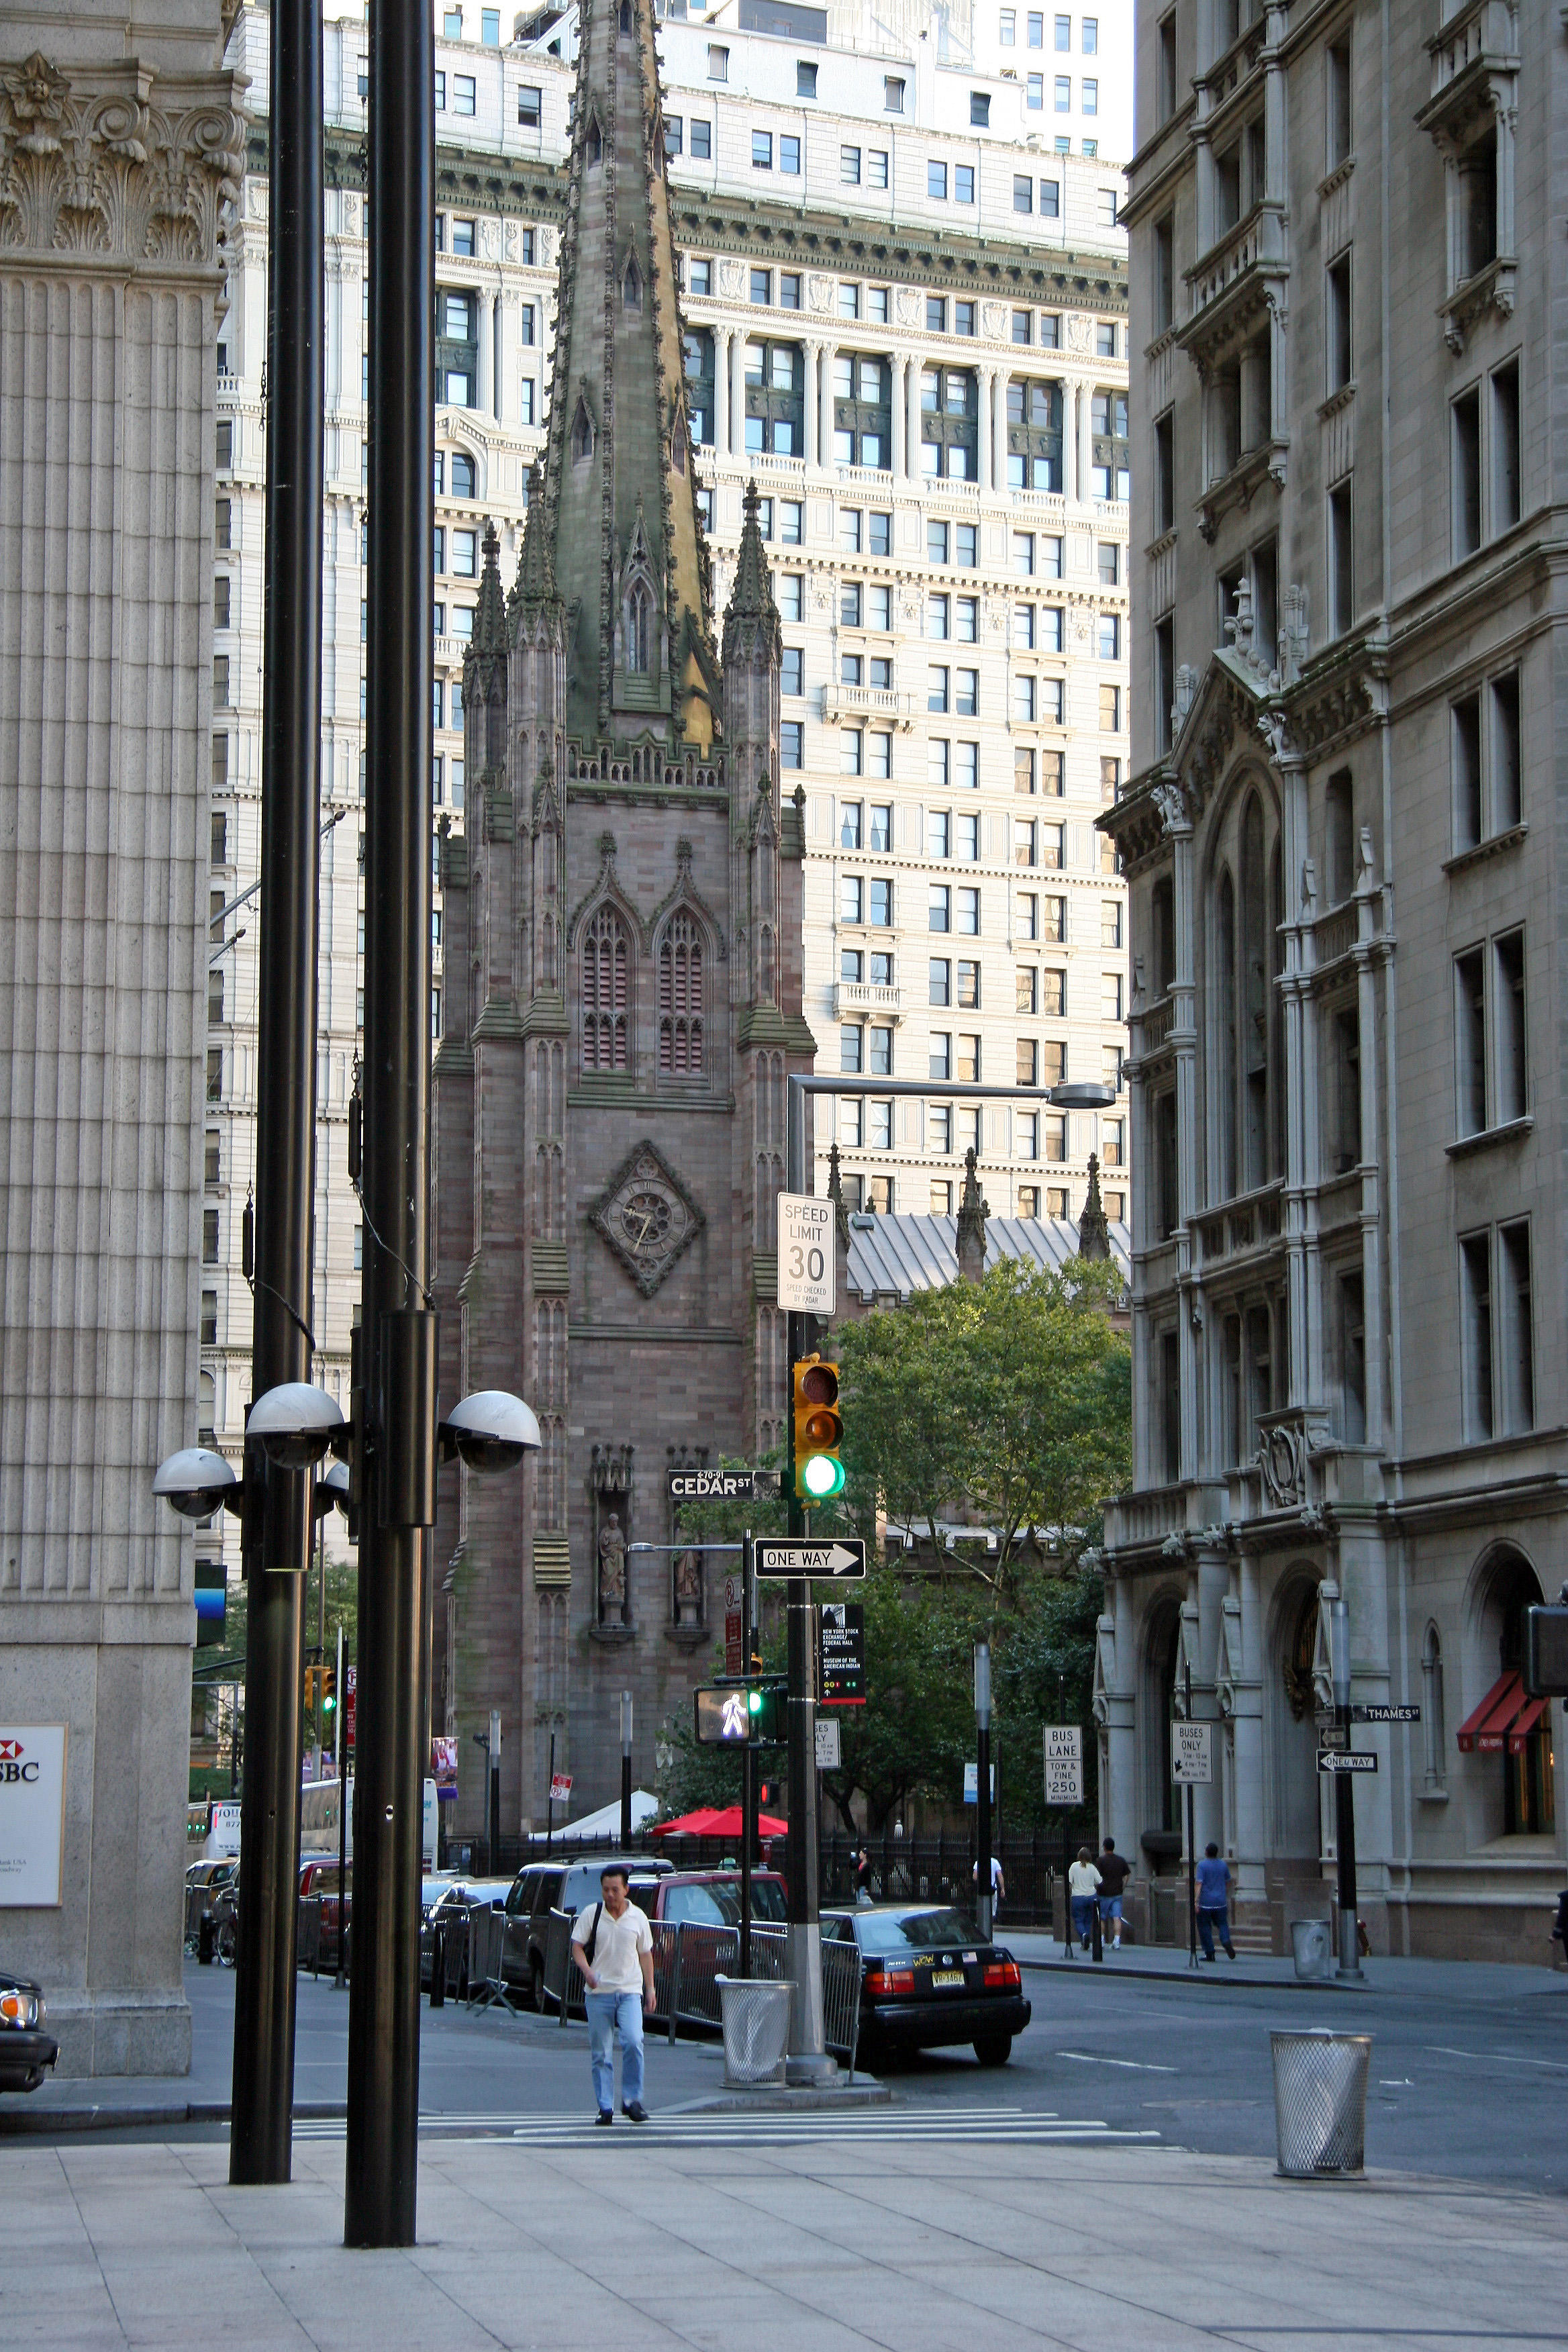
pixel 566 1886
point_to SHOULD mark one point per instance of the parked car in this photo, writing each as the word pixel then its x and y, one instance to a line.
pixel 211 1876
pixel 712 1898
pixel 27 2050
pixel 929 1982
pixel 318 1876
pixel 448 1907
pixel 565 1885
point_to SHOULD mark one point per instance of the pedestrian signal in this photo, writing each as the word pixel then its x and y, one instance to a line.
pixel 818 1431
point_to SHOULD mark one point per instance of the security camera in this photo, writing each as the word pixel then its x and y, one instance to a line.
pixel 331 1491
pixel 491 1430
pixel 296 1425
pixel 197 1482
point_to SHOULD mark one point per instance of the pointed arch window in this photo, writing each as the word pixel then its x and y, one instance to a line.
pixel 581 433
pixel 606 987
pixel 596 143
pixel 1244 1029
pixel 626 15
pixel 631 285
pixel 640 630
pixel 680 1000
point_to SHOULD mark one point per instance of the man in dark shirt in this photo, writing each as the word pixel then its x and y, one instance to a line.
pixel 1114 1874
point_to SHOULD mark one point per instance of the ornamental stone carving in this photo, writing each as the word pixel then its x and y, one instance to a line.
pixel 1079 331
pixel 117 161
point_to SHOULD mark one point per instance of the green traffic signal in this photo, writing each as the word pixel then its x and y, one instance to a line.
pixel 753 1702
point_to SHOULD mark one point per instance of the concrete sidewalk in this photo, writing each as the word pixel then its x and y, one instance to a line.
pixel 657 2239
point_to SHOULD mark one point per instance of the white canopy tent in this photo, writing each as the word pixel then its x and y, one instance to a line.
pixel 606 1822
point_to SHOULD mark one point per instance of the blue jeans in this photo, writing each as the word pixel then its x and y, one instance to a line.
pixel 610 2013
pixel 1209 1921
pixel 1083 1917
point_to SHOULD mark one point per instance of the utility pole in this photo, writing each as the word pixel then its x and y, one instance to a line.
pixel 395 1410
pixel 495 1791
pixel 341 1976
pixel 626 1773
pixel 1350 1968
pixel 276 1522
pixel 748 1758
pixel 982 1788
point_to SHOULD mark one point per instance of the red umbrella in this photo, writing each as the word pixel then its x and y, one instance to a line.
pixel 713 1822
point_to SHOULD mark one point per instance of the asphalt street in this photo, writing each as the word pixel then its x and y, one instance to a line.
pixel 1468 2071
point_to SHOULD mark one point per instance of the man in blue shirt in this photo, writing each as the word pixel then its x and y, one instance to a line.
pixel 1214 1894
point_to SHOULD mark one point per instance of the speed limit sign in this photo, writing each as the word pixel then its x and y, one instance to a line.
pixel 806 1253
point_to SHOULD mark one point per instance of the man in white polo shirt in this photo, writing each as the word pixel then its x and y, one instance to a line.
pixel 612 1943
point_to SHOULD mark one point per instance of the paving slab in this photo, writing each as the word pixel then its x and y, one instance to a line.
pixel 666 2241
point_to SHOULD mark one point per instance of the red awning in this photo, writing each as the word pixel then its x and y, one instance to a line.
pixel 1487 1727
pixel 1525 1723
pixel 722 1822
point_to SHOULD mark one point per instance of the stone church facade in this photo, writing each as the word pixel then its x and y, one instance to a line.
pixel 622 1005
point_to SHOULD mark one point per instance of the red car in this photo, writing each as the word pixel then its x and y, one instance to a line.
pixel 318 1876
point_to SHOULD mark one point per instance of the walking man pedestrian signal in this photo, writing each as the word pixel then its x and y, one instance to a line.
pixel 818 1431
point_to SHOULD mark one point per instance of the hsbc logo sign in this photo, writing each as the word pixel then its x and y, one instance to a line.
pixel 13 1772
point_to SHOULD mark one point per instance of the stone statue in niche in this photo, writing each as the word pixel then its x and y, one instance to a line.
pixel 611 1570
pixel 688 1587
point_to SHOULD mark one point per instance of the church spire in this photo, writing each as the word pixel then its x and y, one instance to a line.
pixel 622 526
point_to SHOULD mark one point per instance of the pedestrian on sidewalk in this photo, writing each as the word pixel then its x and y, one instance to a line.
pixel 863 1876
pixel 612 1943
pixel 1114 1873
pixel 1083 1887
pixel 1213 1897
pixel 998 1886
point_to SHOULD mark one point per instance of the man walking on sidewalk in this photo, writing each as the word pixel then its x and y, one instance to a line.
pixel 1113 1875
pixel 612 1943
pixel 1213 1900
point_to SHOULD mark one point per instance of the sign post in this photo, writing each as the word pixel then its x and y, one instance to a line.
pixel 1192 1764
pixel 1063 1744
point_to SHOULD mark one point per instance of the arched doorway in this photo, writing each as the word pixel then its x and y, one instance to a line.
pixel 1297 1833
pixel 1510 1736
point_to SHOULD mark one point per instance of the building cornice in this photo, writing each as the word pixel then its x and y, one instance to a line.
pixel 905 252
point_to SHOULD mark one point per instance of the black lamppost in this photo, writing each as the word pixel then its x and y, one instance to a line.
pixel 982 1788
pixel 627 1771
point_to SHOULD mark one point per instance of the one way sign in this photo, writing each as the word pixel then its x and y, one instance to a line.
pixel 843 1560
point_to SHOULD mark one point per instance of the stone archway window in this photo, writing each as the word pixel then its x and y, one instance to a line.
pixel 640 631
pixel 1431 1706
pixel 681 1005
pixel 606 988
pixel 581 433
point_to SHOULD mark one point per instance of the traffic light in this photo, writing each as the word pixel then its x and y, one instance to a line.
pixel 311 1674
pixel 329 1688
pixel 818 1431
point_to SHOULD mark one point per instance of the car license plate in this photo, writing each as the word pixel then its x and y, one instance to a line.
pixel 946 1979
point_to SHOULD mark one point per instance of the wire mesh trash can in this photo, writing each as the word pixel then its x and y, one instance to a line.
pixel 1319 2102
pixel 1313 1943
pixel 756 2029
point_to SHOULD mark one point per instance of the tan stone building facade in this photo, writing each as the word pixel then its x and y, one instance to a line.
pixel 120 158
pixel 1343 856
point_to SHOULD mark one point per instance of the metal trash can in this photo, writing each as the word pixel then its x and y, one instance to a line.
pixel 1319 2102
pixel 1312 1941
pixel 756 2029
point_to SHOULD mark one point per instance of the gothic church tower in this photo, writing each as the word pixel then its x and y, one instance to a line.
pixel 623 1004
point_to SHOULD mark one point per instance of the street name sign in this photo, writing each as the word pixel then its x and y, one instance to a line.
pixel 1385 1714
pixel 1191 1754
pixel 829 1747
pixel 1342 1759
pixel 1064 1780
pixel 806 1253
pixel 841 1650
pixel 721 1486
pixel 841 1559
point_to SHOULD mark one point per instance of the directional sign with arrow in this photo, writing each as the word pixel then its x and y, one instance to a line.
pixel 843 1560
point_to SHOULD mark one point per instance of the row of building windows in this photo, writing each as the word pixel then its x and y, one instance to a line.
pixel 1035 32
pixel 867 902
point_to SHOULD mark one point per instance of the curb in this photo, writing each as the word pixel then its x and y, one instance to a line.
pixel 1086 1968
pixel 770 2098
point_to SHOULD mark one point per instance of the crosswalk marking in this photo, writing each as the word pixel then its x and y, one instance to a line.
pixel 923 2126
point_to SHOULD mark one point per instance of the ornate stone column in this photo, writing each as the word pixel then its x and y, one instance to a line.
pixel 120 168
